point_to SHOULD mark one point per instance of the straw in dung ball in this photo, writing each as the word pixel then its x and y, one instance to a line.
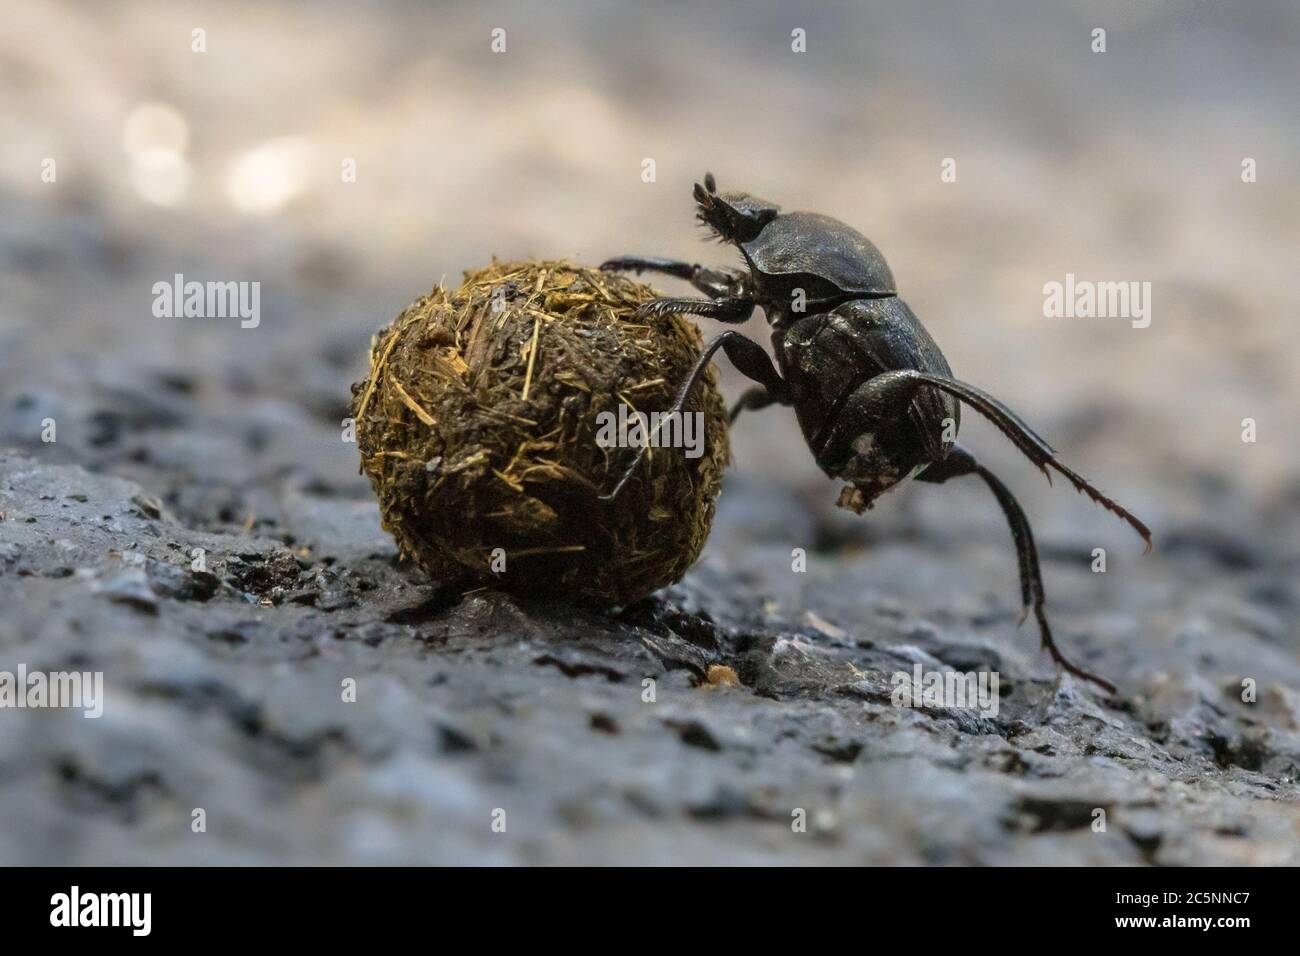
pixel 478 427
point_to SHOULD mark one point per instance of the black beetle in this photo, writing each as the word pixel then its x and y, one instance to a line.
pixel 874 396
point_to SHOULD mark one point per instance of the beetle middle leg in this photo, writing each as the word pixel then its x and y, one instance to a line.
pixel 749 358
pixel 760 396
pixel 961 462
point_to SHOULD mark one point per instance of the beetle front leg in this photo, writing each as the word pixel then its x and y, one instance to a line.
pixel 961 462
pixel 734 311
pixel 750 360
pixel 715 283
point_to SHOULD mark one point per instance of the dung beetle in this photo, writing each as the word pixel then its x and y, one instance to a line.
pixel 874 396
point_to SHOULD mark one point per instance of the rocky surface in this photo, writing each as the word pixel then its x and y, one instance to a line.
pixel 224 686
pixel 223 690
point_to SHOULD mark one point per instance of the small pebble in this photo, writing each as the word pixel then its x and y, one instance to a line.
pixel 722 674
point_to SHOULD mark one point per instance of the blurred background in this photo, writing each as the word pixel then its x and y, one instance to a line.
pixel 348 156
pixel 229 165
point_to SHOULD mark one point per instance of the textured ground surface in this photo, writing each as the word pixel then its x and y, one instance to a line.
pixel 224 687
pixel 223 691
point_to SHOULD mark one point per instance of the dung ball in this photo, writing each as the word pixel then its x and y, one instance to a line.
pixel 493 418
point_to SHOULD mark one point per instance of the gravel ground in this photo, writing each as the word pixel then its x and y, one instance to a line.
pixel 489 730
pixel 223 689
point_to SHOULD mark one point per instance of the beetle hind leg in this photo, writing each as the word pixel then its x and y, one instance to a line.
pixel 891 389
pixel 1032 446
pixel 961 462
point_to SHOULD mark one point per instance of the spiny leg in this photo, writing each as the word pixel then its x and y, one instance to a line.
pixel 730 297
pixel 733 311
pixel 750 360
pixel 889 392
pixel 960 462
pixel 715 283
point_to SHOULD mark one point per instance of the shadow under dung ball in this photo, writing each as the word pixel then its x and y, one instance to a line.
pixel 478 427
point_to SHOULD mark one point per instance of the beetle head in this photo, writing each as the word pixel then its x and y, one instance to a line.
pixel 733 217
